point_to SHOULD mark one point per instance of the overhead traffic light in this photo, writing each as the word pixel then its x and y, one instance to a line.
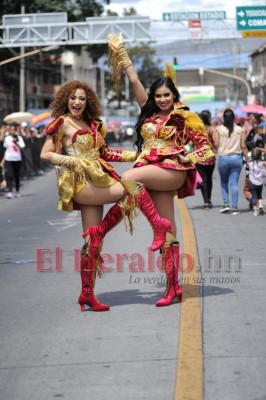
pixel 175 64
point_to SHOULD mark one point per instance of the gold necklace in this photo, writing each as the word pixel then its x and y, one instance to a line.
pixel 74 116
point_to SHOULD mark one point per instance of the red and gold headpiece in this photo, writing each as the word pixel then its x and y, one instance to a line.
pixel 169 72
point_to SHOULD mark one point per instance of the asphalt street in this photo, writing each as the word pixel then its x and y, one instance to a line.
pixel 49 349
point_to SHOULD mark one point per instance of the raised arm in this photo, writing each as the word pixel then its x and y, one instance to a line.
pixel 137 87
pixel 118 60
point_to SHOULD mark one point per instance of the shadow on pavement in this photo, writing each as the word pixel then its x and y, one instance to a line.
pixel 135 296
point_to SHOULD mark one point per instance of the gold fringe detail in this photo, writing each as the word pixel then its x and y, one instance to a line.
pixel 131 187
pixel 96 261
pixel 58 137
pixel 129 206
pixel 116 69
pixel 170 240
pixel 194 122
pixel 118 58
pixel 130 203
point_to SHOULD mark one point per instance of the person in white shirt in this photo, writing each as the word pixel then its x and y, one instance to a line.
pixel 13 144
pixel 256 166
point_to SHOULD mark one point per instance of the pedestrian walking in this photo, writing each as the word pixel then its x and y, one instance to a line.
pixel 229 140
pixel 13 145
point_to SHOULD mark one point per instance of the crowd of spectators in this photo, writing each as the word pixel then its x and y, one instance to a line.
pixel 254 127
pixel 31 164
pixel 252 130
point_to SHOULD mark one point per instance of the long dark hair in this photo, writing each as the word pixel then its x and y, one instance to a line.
pixel 150 106
pixel 205 116
pixel 229 119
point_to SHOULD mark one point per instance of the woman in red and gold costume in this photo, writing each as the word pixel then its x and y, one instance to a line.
pixel 86 180
pixel 165 129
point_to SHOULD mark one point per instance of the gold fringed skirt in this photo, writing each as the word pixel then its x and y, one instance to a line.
pixel 70 181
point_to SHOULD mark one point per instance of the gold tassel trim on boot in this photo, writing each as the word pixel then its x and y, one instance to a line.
pixel 170 240
pixel 97 261
pixel 130 204
pixel 129 210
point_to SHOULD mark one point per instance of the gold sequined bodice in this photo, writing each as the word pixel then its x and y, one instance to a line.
pixel 84 146
pixel 161 138
pixel 148 131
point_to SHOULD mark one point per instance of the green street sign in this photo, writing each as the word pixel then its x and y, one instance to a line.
pixel 195 15
pixel 251 18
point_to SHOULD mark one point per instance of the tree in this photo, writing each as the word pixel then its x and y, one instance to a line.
pixel 111 13
pixel 77 10
pixel 129 11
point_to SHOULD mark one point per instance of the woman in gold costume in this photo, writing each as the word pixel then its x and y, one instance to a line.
pixel 86 180
pixel 165 164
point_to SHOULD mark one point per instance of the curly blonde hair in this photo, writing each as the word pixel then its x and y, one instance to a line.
pixel 59 105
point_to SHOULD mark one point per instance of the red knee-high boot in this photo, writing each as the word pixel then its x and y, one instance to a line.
pixel 170 259
pixel 88 276
pixel 98 232
pixel 160 225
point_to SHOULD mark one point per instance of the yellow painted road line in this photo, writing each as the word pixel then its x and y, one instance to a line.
pixel 189 376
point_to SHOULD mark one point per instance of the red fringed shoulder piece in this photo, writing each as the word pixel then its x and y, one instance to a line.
pixel 54 125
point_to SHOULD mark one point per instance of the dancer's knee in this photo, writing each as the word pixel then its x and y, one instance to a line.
pixel 127 175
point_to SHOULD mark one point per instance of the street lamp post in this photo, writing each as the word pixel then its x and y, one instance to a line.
pixel 22 73
pixel 30 53
pixel 214 71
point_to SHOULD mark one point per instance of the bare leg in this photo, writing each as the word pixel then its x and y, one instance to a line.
pixel 95 196
pixel 91 215
pixel 156 178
